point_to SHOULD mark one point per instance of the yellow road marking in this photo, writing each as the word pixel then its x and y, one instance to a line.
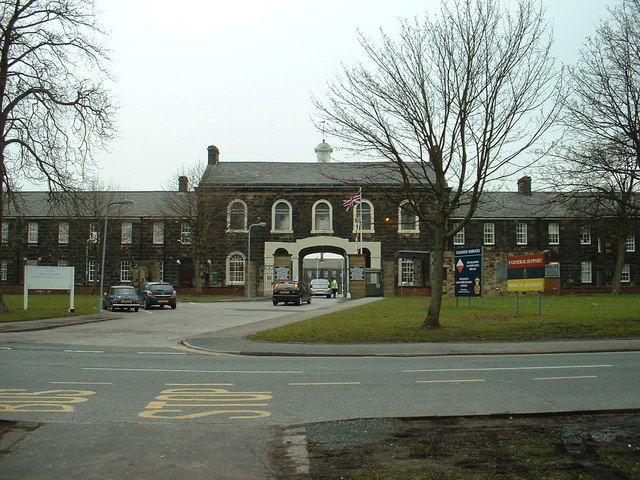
pixel 63 401
pixel 468 380
pixel 199 384
pixel 566 378
pixel 302 384
pixel 81 383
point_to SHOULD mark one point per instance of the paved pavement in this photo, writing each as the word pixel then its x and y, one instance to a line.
pixel 233 341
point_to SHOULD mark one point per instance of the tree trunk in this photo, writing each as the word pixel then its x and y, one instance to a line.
pixel 437 266
pixel 621 245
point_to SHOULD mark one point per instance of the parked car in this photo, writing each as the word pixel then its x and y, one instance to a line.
pixel 291 292
pixel 321 286
pixel 121 296
pixel 160 294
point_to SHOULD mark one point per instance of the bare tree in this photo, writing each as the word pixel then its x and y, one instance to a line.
pixel 449 106
pixel 54 108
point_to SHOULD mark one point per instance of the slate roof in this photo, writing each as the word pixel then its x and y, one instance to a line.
pixel 514 205
pixel 151 204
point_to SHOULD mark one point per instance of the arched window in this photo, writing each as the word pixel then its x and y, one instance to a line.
pixel 235 268
pixel 237 216
pixel 281 218
pixel 363 217
pixel 322 214
pixel 407 219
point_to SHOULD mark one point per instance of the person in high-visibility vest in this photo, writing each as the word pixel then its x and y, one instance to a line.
pixel 334 287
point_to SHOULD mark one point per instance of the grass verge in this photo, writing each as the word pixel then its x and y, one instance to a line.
pixel 399 319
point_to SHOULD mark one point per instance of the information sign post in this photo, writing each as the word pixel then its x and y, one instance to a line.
pixel 468 272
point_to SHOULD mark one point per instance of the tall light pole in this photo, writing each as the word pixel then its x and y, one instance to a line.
pixel 104 247
pixel 246 282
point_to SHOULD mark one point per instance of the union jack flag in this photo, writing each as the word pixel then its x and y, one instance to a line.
pixel 352 201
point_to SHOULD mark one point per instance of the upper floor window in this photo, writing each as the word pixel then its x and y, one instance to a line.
pixel 599 245
pixel 363 217
pixel 322 215
pixel 281 217
pixel 408 219
pixel 554 234
pixel 93 232
pixel 489 234
pixel 63 263
pixel 626 273
pixel 32 232
pixel 521 234
pixel 585 272
pixel 630 244
pixel 63 232
pixel 127 232
pixel 237 216
pixel 185 233
pixel 235 268
pixel 5 232
pixel 585 236
pixel 458 238
pixel 158 233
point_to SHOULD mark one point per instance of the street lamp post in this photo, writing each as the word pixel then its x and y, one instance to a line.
pixel 247 286
pixel 104 248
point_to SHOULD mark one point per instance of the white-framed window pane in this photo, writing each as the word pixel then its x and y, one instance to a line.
pixel 63 232
pixel 4 269
pixel 408 219
pixel 489 232
pixel 63 263
pixel 458 238
pixel 162 271
pixel 127 232
pixel 93 232
pixel 626 273
pixel 406 274
pixel 237 216
pixel 585 236
pixel 235 268
pixel 125 271
pixel 185 233
pixel 32 232
pixel 282 217
pixel 363 217
pixel 521 234
pixel 585 269
pixel 599 245
pixel 5 232
pixel 630 244
pixel 91 271
pixel 158 233
pixel 554 234
pixel 323 217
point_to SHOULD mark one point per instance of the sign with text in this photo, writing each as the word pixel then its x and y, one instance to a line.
pixel 468 272
pixel 525 273
pixel 49 278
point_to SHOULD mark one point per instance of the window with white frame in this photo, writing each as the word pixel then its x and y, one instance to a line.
pixel 599 245
pixel 554 234
pixel 4 270
pixel 126 232
pixel 489 234
pixel 63 232
pixel 363 217
pixel 521 234
pixel 162 271
pixel 32 232
pixel 458 238
pixel 125 271
pixel 585 272
pixel 158 233
pixel 237 216
pixel 630 244
pixel 63 263
pixel 585 236
pixel 322 217
pixel 408 220
pixel 281 220
pixel 185 233
pixel 5 232
pixel 93 232
pixel 235 268
pixel 406 272
pixel 91 271
pixel 626 273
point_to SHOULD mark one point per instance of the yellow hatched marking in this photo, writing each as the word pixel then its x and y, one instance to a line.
pixel 60 401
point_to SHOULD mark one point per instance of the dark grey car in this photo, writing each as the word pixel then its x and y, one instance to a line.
pixel 121 296
pixel 160 294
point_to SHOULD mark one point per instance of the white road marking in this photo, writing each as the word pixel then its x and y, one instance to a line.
pixel 490 369
pixel 566 378
pixel 6 348
pixel 83 351
pixel 323 383
pixel 161 353
pixel 188 371
pixel 199 384
pixel 81 383
pixel 452 381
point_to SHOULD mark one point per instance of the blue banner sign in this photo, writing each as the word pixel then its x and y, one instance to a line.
pixel 468 269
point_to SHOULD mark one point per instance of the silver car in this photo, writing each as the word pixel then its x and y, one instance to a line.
pixel 321 286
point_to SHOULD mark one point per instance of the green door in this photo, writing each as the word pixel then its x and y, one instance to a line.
pixel 373 282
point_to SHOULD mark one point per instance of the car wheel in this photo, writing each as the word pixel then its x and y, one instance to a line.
pixel 328 296
pixel 113 309
pixel 173 307
pixel 275 302
pixel 309 301
pixel 135 309
pixel 147 306
pixel 299 301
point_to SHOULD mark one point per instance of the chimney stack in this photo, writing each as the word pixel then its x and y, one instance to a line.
pixel 183 184
pixel 213 155
pixel 524 185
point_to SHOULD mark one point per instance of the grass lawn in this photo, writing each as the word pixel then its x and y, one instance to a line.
pixel 399 319
pixel 53 306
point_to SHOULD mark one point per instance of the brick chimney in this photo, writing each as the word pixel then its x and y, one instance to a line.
pixel 183 184
pixel 213 155
pixel 524 185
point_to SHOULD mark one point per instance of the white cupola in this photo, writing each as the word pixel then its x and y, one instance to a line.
pixel 323 152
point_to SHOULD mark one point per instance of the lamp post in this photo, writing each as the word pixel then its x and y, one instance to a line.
pixel 104 247
pixel 260 224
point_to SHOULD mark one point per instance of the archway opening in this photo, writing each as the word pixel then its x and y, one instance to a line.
pixel 324 262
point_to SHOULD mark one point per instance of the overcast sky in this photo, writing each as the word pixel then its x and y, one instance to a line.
pixel 239 74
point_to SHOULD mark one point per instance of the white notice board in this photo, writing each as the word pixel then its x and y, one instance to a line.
pixel 49 278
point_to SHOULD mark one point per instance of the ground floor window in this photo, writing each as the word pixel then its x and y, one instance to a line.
pixel 235 269
pixel 586 272
pixel 125 271
pixel 406 272
pixel 626 274
pixel 4 268
pixel 91 271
